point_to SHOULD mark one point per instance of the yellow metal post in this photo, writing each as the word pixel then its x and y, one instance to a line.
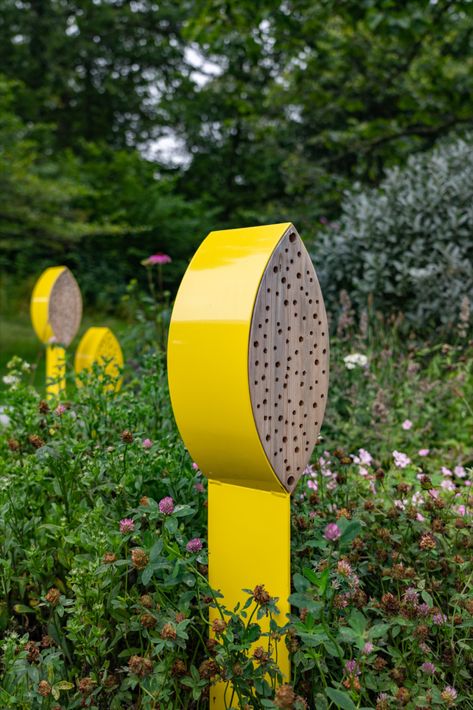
pixel 249 544
pixel 55 370
pixel 247 369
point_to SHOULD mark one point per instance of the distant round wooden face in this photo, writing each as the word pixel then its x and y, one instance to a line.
pixel 289 359
pixel 56 306
pixel 65 308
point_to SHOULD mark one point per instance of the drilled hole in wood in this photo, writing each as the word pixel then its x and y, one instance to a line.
pixel 290 480
pixel 292 238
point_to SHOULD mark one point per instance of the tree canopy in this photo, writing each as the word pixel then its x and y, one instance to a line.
pixel 277 106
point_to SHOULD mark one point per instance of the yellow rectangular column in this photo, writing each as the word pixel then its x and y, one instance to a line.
pixel 55 370
pixel 249 544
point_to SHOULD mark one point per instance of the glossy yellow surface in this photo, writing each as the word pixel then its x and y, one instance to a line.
pixel 208 355
pixel 249 544
pixel 55 370
pixel 39 306
pixel 99 345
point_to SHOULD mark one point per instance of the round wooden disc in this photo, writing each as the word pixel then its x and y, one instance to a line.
pixel 65 308
pixel 288 359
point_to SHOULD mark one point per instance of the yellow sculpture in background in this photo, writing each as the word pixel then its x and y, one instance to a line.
pixel 99 345
pixel 56 314
pixel 248 377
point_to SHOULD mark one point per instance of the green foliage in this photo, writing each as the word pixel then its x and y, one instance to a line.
pixel 37 212
pixel 277 108
pixel 102 603
pixel 407 246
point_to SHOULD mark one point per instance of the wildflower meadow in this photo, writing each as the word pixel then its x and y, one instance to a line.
pixel 105 597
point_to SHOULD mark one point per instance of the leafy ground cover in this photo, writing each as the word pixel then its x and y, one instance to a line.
pixel 104 593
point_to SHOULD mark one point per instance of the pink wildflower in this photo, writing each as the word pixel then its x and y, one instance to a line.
pixel 352 668
pixel 126 525
pixel 194 545
pixel 199 487
pixel 401 460
pixel 147 443
pixel 158 258
pixel 460 510
pixel 459 472
pixel 195 466
pixel 312 484
pixel 449 695
pixel 428 668
pixel 166 505
pixel 60 409
pixel 367 648
pixel 424 452
pixel 406 424
pixel 332 532
pixel 365 457
pixel 446 471
pixel 448 485
pixel 439 619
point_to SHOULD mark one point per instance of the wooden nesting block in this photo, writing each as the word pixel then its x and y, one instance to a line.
pixel 56 306
pixel 248 357
pixel 288 359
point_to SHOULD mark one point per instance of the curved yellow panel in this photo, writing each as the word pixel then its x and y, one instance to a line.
pixel 208 355
pixel 99 345
pixel 39 306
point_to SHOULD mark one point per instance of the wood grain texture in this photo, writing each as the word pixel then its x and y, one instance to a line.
pixel 65 308
pixel 288 359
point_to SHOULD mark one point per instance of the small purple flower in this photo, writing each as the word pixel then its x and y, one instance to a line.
pixel 166 505
pixel 406 424
pixel 195 466
pixel 60 409
pixel 424 452
pixel 367 648
pixel 147 443
pixel 401 460
pixel 428 668
pixel 439 619
pixel 445 471
pixel 312 484
pixel 194 545
pixel 423 609
pixel 352 668
pixel 199 487
pixel 459 472
pixel 447 485
pixel 410 596
pixel 332 532
pixel 126 525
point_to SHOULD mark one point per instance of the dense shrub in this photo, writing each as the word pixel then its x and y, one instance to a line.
pixel 407 245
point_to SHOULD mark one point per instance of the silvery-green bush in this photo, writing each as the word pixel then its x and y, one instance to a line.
pixel 408 243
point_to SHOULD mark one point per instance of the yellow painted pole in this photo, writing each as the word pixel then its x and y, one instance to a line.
pixel 56 312
pixel 55 370
pixel 248 377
